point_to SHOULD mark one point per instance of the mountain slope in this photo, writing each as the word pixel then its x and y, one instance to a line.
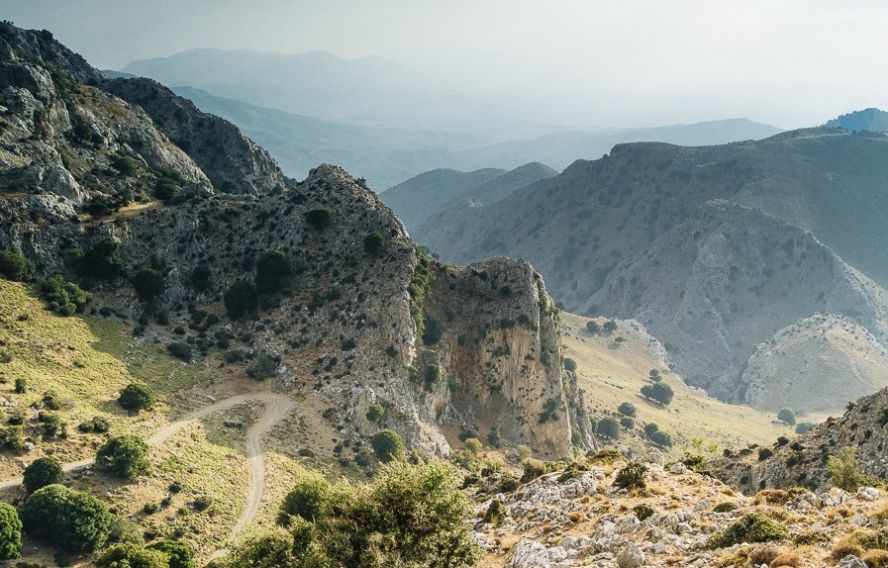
pixel 441 193
pixel 601 230
pixel 353 315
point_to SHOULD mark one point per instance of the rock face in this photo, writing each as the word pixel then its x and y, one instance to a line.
pixel 802 462
pixel 231 160
pixel 361 317
pixel 715 249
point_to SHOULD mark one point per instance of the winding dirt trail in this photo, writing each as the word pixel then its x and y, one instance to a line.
pixel 277 406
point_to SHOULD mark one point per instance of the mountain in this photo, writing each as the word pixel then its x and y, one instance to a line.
pixel 123 188
pixel 715 249
pixel 561 149
pixel 867 120
pixel 383 156
pixel 434 192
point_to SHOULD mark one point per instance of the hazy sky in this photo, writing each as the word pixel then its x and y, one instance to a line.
pixel 614 63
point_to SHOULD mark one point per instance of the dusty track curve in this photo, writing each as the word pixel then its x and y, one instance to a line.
pixel 277 406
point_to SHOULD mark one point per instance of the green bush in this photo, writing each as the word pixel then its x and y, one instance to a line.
pixel 319 218
pixel 765 453
pixel 650 428
pixel 608 427
pixel 97 425
pixel 787 416
pixel 803 427
pixel 21 385
pixel 844 469
pixel 125 456
pixel 102 261
pixel 62 297
pixel 661 439
pixel 374 243
pixel 631 477
pixel 431 374
pixel 167 185
pixel 411 515
pixel 132 556
pixel 149 284
pixel 659 392
pixel 272 271
pixel 72 520
pixel 52 425
pixel 569 364
pixel 309 499
pixel 202 277
pixel 627 409
pixel 752 528
pixel 136 397
pixel 375 412
pixel 12 438
pixel 387 445
pixel 241 298
pixel 627 423
pixel 10 532
pixel 262 367
pixel 180 350
pixel 124 164
pixel 179 554
pixel 15 266
pixel 593 327
pixel 42 472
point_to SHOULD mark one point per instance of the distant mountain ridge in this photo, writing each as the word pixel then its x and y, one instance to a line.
pixel 715 249
pixel 869 120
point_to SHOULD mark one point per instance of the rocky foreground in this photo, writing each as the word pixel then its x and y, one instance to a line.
pixel 580 516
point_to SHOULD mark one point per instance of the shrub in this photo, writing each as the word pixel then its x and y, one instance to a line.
pixel 202 277
pixel 844 470
pixel 754 527
pixel 12 438
pixel 52 424
pixel 102 261
pixel 569 364
pixel 375 412
pixel 309 499
pixel 15 266
pixel 787 416
pixel 608 427
pixel 180 350
pixel 432 330
pixel 272 271
pixel 123 163
pixel 430 376
pixel 875 558
pixel 659 392
pixel 62 297
pixel 374 243
pixel 726 507
pixel 262 367
pixel 627 423
pixel 803 427
pixel 136 397
pixel 149 284
pixel 21 386
pixel 661 438
pixel 131 556
pixel 650 428
pixel 473 446
pixel 609 327
pixel 654 376
pixel 387 445
pixel 642 511
pixel 765 453
pixel 319 218
pixel 240 299
pixel 73 520
pixel 631 477
pixel 627 409
pixel 10 532
pixel 179 554
pixel 42 472
pixel 125 456
pixel 593 327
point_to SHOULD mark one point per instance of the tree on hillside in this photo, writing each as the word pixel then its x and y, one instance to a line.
pixel 240 299
pixel 126 456
pixel 272 271
pixel 73 520
pixel 787 416
pixel 136 397
pixel 387 445
pixel 659 392
pixel 42 472
pixel 608 427
pixel 10 532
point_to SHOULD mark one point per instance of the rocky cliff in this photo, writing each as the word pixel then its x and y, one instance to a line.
pixel 98 188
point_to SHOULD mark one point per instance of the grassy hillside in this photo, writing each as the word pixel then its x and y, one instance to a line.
pixel 612 372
